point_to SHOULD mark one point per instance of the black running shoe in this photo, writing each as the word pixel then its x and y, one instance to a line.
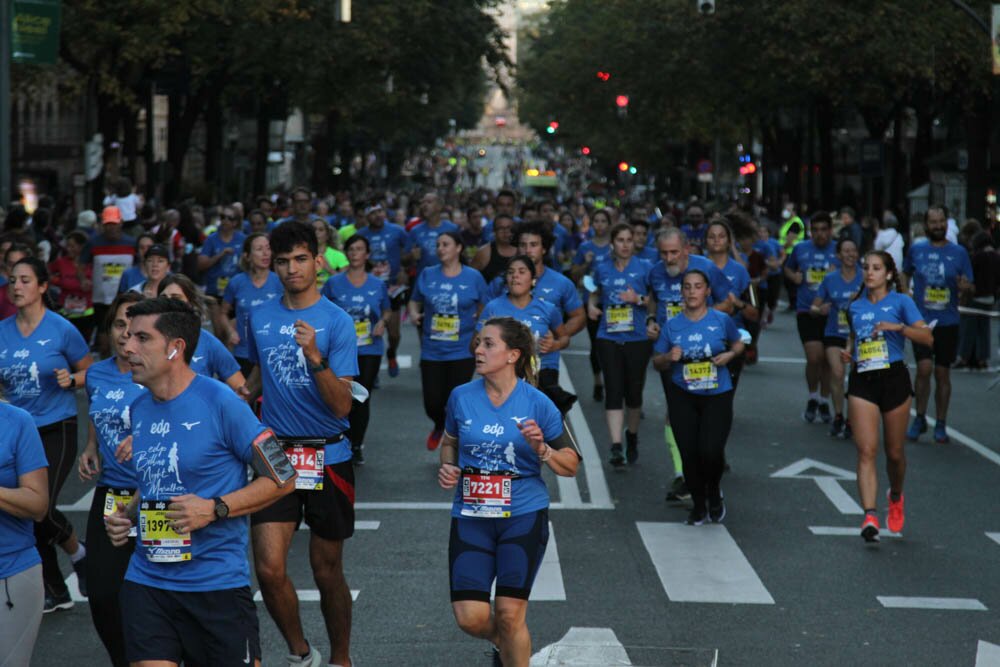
pixel 631 446
pixel 678 491
pixel 717 510
pixel 824 413
pixel 57 602
pixel 617 457
pixel 358 455
pixel 494 654
pixel 837 427
pixel 810 414
pixel 696 517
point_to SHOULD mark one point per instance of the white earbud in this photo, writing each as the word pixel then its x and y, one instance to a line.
pixel 173 353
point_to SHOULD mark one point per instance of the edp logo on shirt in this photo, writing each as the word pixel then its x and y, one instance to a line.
pixel 160 428
pixel 496 430
pixel 287 330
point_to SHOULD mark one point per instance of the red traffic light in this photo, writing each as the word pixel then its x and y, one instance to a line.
pixel 748 169
pixel 585 150
pixel 604 76
pixel 554 125
pixel 622 101
pixel 623 166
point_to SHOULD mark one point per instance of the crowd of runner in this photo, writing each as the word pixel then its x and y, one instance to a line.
pixel 251 336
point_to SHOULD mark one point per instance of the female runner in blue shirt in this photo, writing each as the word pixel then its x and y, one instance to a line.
pixel 500 431
pixel 365 298
pixel 446 302
pixel 696 346
pixel 41 348
pixel 255 285
pixel 832 298
pixel 881 319
pixel 111 392
pixel 625 296
pixel 589 255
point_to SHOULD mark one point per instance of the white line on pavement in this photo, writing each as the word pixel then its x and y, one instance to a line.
pixel 975 446
pixel 82 505
pixel 548 586
pixel 835 493
pixel 597 485
pixel 987 654
pixel 305 595
pixel 701 564
pixel 843 531
pixel 994 536
pixel 949 604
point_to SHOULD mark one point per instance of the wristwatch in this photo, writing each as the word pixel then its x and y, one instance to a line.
pixel 321 366
pixel 221 508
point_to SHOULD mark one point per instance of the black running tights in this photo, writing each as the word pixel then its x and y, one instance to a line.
pixel 701 425
pixel 438 379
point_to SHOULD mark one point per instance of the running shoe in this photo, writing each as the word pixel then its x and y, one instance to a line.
pixel 848 434
pixel 598 392
pixel 894 521
pixel 696 517
pixel 717 509
pixel 837 427
pixel 811 407
pixel 80 567
pixel 617 458
pixel 941 432
pixel 434 439
pixel 393 367
pixel 824 413
pixel 678 491
pixel 869 529
pixel 358 455
pixel 917 426
pixel 313 659
pixel 631 446
pixel 57 602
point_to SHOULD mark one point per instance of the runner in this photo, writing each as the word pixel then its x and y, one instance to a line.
pixel 665 279
pixel 112 253
pixel 246 291
pixel 111 392
pixel 719 247
pixel 491 260
pixel 331 259
pixel 696 347
pixel 621 303
pixel 74 278
pixel 774 256
pixel 807 264
pixel 589 255
pixel 365 298
pixel 305 351
pixel 136 273
pixel 941 270
pixel 37 350
pixel 24 498
pixel 423 236
pixel 881 319
pixel 390 248
pixel 543 318
pixel 832 298
pixel 210 358
pixel 218 261
pixel 186 595
pixel 446 303
pixel 157 267
pixel 500 524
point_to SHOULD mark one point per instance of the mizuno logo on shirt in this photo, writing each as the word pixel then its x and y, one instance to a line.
pixel 189 425
pixel 44 342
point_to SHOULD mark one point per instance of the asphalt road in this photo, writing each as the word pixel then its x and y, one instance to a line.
pixel 626 583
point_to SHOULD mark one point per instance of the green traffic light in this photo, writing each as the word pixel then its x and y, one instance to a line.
pixel 550 129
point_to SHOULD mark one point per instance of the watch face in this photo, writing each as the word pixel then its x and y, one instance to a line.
pixel 221 510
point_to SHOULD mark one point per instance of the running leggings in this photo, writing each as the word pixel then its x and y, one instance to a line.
pixel 59 441
pixel 368 367
pixel 624 367
pixel 701 425
pixel 438 379
pixel 592 326
pixel 106 566
pixel 22 597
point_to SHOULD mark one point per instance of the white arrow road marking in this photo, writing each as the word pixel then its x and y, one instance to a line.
pixel 950 604
pixel 597 647
pixel 994 536
pixel 701 564
pixel 82 505
pixel 987 654
pixel 828 482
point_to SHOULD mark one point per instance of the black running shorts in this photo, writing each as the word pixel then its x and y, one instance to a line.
pixel 887 388
pixel 329 512
pixel 811 327
pixel 945 348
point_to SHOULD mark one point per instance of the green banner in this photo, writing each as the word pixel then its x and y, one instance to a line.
pixel 35 31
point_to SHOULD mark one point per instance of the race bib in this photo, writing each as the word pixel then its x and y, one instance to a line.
pixel 873 355
pixel 486 495
pixel 937 298
pixel 75 305
pixel 842 324
pixel 111 500
pixel 114 271
pixel 815 276
pixel 308 462
pixel 363 331
pixel 620 319
pixel 162 543
pixel 444 327
pixel 701 376
pixel 220 284
pixel 673 310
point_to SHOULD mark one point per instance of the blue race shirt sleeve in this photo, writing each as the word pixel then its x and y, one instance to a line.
pixel 342 351
pixel 240 427
pixel 418 289
pixel 222 364
pixel 29 455
pixel 662 344
pixel 911 314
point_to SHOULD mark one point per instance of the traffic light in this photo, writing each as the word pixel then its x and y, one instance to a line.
pixel 585 150
pixel 622 101
pixel 623 166
pixel 747 169
pixel 603 76
pixel 553 126
pixel 633 170
pixel 706 7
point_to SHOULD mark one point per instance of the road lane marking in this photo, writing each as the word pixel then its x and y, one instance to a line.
pixel 305 595
pixel 597 485
pixel 987 654
pixel 838 531
pixel 828 482
pixel 977 447
pixel 600 647
pixel 548 586
pixel 701 564
pixel 949 604
pixel 994 536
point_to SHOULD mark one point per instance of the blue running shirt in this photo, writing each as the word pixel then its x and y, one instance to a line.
pixel 667 288
pixel 28 366
pixel 364 304
pixel 876 350
pixel 387 247
pixel 21 452
pixel 739 280
pixel 539 316
pixel 601 254
pixel 424 236
pixel 699 342
pixel 244 296
pixel 620 321
pixel 111 395
pixel 212 359
pixel 450 305
pixel 489 440
pixel 935 271
pixel 814 263
pixel 216 279
pixel 293 406
pixel 837 292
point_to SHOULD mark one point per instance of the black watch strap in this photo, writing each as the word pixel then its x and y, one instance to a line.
pixel 221 508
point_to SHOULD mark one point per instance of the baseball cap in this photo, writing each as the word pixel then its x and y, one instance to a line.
pixel 373 208
pixel 111 214
pixel 86 219
pixel 158 250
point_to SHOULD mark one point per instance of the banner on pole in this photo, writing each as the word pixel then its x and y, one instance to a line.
pixel 35 31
